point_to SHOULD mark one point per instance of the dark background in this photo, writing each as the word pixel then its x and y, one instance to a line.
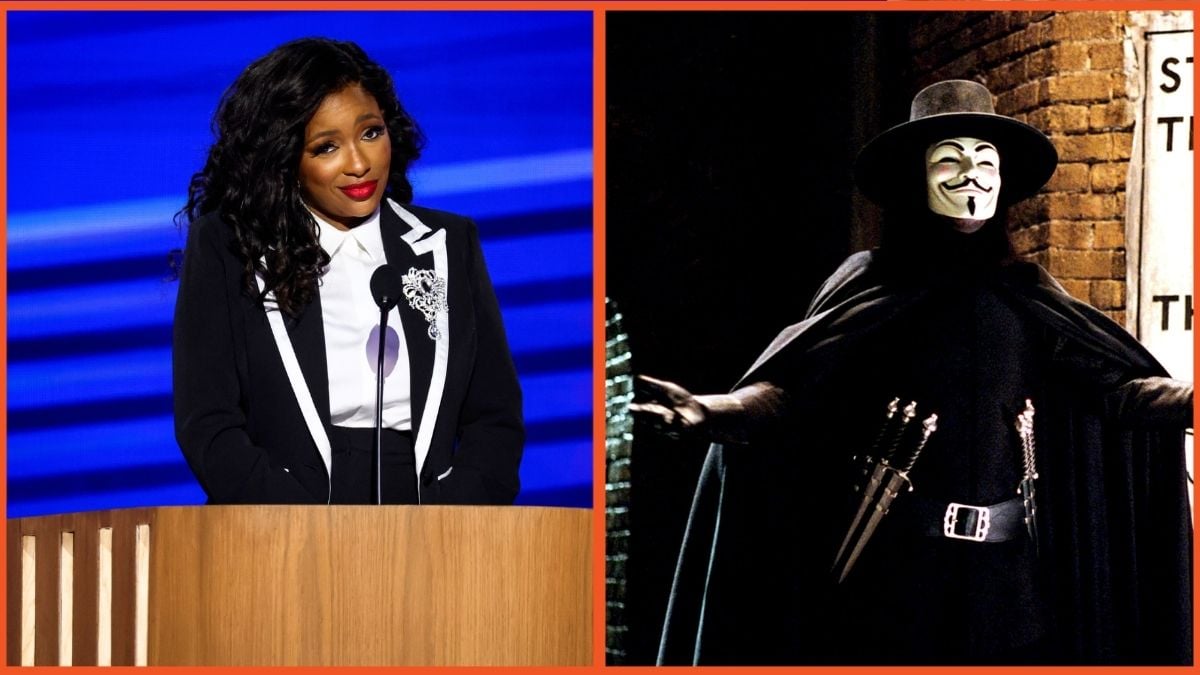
pixel 731 141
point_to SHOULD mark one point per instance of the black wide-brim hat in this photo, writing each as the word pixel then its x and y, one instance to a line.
pixel 948 109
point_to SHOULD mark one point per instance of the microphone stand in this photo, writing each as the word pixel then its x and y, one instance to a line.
pixel 383 315
pixel 386 288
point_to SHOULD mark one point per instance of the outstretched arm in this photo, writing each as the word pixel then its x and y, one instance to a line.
pixel 1130 398
pixel 734 418
pixel 1151 401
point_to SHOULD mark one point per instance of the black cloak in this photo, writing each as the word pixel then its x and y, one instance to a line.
pixel 753 582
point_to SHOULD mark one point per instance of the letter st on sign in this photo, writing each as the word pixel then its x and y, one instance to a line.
pixel 1171 82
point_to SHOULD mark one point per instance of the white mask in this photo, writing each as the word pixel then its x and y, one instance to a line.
pixel 962 176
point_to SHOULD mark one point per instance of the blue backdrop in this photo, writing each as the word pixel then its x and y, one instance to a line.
pixel 108 118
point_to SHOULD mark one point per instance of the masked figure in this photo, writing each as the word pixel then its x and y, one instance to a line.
pixel 1055 536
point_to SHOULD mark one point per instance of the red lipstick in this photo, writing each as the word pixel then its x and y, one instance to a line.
pixel 360 190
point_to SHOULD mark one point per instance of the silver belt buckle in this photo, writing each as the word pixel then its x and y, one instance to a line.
pixel 983 522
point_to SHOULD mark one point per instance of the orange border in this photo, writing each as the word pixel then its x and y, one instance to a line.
pixel 599 211
pixel 4 306
pixel 926 6
pixel 599 7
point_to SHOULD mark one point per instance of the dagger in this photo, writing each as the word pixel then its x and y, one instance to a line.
pixel 1029 463
pixel 885 446
pixel 885 439
pixel 897 478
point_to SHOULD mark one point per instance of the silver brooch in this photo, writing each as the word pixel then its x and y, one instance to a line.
pixel 426 293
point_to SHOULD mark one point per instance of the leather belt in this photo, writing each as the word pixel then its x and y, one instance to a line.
pixel 994 523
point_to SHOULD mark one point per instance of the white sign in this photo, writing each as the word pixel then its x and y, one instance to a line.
pixel 1164 320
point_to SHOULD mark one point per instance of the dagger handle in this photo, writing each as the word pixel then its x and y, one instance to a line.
pixel 1028 447
pixel 927 428
pixel 892 408
pixel 910 411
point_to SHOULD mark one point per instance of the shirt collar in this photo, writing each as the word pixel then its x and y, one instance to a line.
pixel 366 237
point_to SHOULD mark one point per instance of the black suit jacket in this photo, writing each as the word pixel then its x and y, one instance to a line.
pixel 236 416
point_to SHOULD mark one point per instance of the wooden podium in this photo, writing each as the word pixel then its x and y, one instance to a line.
pixel 302 585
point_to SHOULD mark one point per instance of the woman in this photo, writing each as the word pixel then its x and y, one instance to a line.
pixel 303 195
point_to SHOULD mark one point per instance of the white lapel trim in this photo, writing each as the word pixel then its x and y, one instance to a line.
pixel 424 240
pixel 299 387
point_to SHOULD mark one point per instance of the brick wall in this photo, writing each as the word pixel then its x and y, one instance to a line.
pixel 1064 73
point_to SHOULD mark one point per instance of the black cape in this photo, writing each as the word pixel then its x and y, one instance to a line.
pixel 753 583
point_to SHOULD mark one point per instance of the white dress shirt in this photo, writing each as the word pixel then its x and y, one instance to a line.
pixel 351 320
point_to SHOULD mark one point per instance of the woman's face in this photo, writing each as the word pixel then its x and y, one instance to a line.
pixel 346 159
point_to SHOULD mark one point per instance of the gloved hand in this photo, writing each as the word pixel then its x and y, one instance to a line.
pixel 667 408
pixel 1151 402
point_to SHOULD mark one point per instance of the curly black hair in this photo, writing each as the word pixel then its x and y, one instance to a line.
pixel 251 175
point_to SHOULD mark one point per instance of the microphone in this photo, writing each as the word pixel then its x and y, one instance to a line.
pixel 386 287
